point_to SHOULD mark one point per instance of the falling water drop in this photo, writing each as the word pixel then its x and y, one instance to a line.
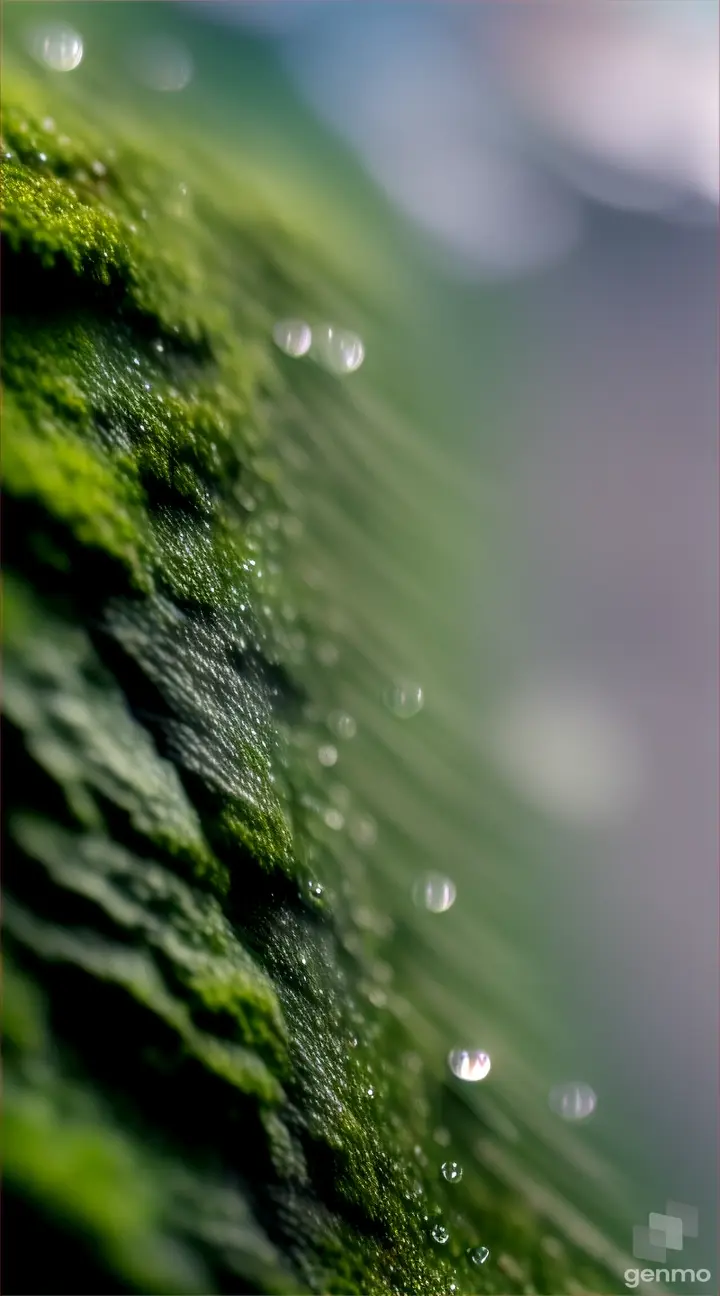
pixel 337 349
pixel 572 1101
pixel 293 336
pixel 434 892
pixel 469 1064
pixel 59 48
pixel 404 700
pixel 452 1171
pixel 478 1255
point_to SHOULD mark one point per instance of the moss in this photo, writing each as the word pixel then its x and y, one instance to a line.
pixel 195 1033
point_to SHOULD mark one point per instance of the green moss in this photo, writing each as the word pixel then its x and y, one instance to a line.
pixel 212 1030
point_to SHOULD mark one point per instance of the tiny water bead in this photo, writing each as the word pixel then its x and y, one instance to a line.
pixel 434 892
pixel 327 756
pixel 163 64
pixel 573 1101
pixel 293 336
pixel 338 350
pixel 469 1064
pixel 404 700
pixel 439 1234
pixel 342 724
pixel 452 1171
pixel 58 47
pixel 478 1255
pixel 315 890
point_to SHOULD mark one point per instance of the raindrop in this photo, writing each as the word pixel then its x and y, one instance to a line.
pixel 337 349
pixel 342 724
pixel 572 1101
pixel 469 1064
pixel 439 1233
pixel 163 64
pixel 363 831
pixel 452 1171
pixel 59 48
pixel 478 1255
pixel 292 336
pixel 404 700
pixel 434 892
pixel 328 755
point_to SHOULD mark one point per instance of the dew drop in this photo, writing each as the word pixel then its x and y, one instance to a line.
pixel 48 125
pixel 434 892
pixel 363 831
pixel 337 349
pixel 572 1101
pixel 163 64
pixel 404 700
pixel 452 1171
pixel 439 1233
pixel 293 336
pixel 327 755
pixel 42 157
pixel 99 169
pixel 334 820
pixel 342 724
pixel 469 1064
pixel 59 48
pixel 315 890
pixel 371 1092
pixel 478 1255
pixel 158 346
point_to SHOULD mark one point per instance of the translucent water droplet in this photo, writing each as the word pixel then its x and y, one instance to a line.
pixel 42 157
pixel 158 346
pixel 342 724
pixel 315 890
pixel 452 1171
pixel 469 1064
pixel 163 64
pixel 439 1234
pixel 371 1092
pixel 442 1136
pixel 99 169
pixel 478 1255
pixel 363 831
pixel 48 125
pixel 404 700
pixel 337 349
pixel 434 892
pixel 572 1101
pixel 293 336
pixel 327 755
pixel 59 48
pixel 334 820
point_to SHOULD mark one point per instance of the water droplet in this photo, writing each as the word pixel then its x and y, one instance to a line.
pixel 442 1136
pixel 59 48
pixel 327 654
pixel 334 820
pixel 404 700
pixel 158 346
pixel 163 64
pixel 363 831
pixel 48 125
pixel 337 349
pixel 342 724
pixel 353 1041
pixel 293 336
pixel 99 169
pixel 439 1233
pixel 42 157
pixel 469 1064
pixel 327 755
pixel 315 890
pixel 434 892
pixel 371 1092
pixel 572 1101
pixel 452 1171
pixel 478 1255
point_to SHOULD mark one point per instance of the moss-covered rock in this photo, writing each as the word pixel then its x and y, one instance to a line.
pixel 202 1094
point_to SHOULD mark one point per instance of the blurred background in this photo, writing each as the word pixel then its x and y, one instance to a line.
pixel 518 591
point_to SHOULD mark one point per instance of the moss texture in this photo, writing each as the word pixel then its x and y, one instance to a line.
pixel 202 1095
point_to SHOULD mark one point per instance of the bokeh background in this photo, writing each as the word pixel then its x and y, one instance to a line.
pixel 536 554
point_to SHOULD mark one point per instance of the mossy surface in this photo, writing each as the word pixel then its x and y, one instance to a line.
pixel 205 1091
